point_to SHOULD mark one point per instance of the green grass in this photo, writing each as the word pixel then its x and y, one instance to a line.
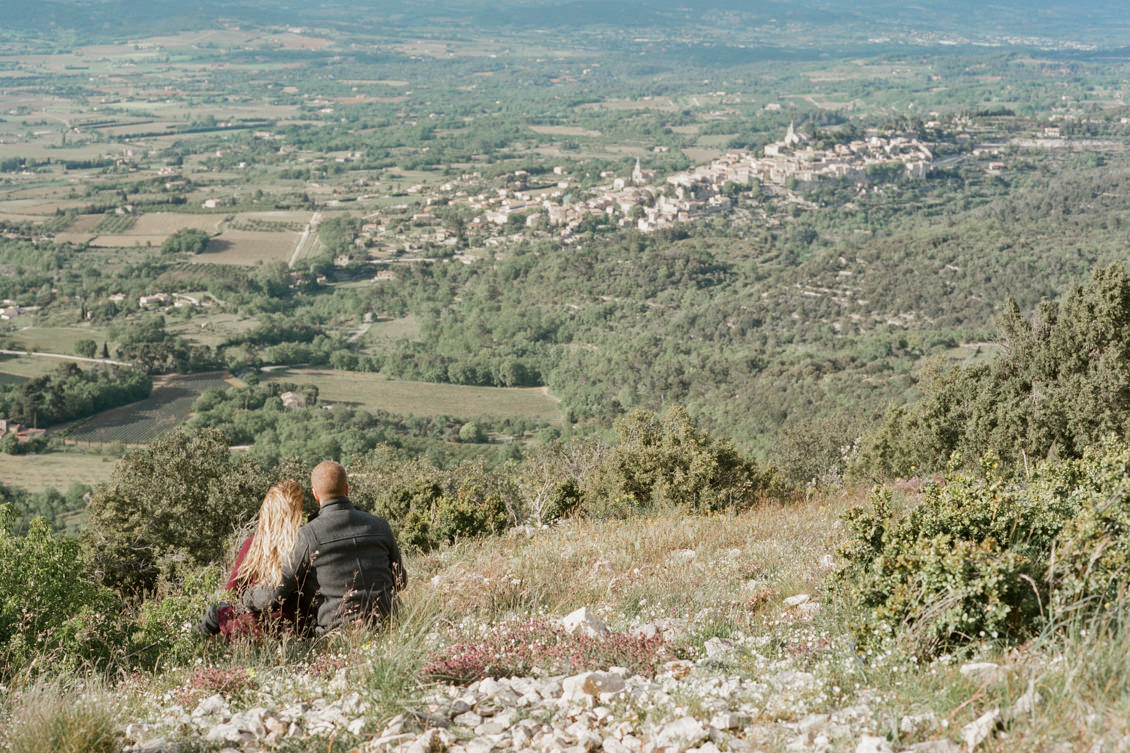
pixel 27 367
pixel 59 339
pixel 424 398
pixel 391 330
pixel 54 470
pixel 212 329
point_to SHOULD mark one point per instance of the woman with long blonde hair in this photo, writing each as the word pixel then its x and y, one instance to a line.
pixel 259 562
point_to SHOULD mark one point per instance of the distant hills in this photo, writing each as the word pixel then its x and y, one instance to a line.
pixel 800 21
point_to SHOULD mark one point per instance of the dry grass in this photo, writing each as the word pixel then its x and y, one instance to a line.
pixel 245 247
pixel 54 470
pixel 52 717
pixel 674 564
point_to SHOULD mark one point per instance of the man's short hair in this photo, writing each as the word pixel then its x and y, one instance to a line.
pixel 328 480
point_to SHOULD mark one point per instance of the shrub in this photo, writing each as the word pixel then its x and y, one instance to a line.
pixel 163 628
pixel 170 507
pixel 50 610
pixel 1061 383
pixel 666 461
pixel 985 555
pixel 428 507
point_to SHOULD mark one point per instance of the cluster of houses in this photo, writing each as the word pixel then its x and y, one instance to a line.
pixel 787 164
pixel 161 300
pixel 21 432
pixel 10 309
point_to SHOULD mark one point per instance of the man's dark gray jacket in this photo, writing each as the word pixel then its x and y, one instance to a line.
pixel 345 566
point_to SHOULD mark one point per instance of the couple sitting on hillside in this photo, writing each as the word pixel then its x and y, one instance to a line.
pixel 342 567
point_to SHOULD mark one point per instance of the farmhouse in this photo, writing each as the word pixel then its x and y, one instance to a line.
pixel 21 432
pixel 293 400
pixel 157 299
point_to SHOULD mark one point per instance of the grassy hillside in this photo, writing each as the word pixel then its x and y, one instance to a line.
pixel 749 671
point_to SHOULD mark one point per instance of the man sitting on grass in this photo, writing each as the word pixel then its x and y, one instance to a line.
pixel 345 566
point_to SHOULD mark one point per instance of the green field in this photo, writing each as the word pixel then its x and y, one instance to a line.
pixel 212 329
pixel 54 470
pixel 27 367
pixel 425 398
pixel 54 339
pixel 141 422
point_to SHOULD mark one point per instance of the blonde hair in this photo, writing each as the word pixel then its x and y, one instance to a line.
pixel 280 516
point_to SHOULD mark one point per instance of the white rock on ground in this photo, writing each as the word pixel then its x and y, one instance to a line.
pixel 978 730
pixel 872 744
pixel 583 622
pixel 682 733
pixel 1027 704
pixel 983 671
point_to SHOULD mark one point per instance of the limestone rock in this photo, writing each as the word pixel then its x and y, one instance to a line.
pixel 934 746
pixel 584 622
pixel 872 744
pixel 213 705
pixel 589 684
pixel 918 723
pixel 1026 704
pixel 983 672
pixel 730 720
pixel 978 730
pixel 468 719
pixel 796 601
pixel 156 745
pixel 682 733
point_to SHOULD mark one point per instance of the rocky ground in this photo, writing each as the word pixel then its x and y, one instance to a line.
pixel 708 633
pixel 742 693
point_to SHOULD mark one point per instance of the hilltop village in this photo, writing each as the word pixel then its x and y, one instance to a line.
pixel 787 165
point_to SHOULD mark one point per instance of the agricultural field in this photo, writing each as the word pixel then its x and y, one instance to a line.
pixel 246 247
pixel 425 398
pixel 26 367
pixel 141 422
pixel 54 470
pixel 213 329
pixel 52 339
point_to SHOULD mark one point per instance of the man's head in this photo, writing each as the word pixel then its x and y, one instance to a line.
pixel 328 481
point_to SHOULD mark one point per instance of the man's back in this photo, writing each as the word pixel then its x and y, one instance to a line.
pixel 345 565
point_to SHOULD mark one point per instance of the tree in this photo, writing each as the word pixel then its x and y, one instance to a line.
pixel 1061 383
pixel 472 432
pixel 186 240
pixel 86 348
pixel 170 505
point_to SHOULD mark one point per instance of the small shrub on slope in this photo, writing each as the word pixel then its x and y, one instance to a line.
pixel 517 648
pixel 50 610
pixel 974 559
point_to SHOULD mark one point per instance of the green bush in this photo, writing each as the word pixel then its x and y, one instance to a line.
pixel 666 461
pixel 1061 383
pixel 170 507
pixel 50 609
pixel 987 555
pixel 427 506
pixel 163 628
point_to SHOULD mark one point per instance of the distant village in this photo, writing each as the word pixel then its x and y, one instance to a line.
pixel 641 201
